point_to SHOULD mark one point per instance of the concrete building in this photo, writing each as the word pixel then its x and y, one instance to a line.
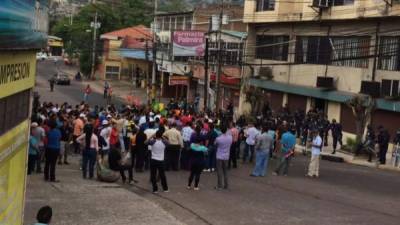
pixel 183 77
pixel 127 54
pixel 318 54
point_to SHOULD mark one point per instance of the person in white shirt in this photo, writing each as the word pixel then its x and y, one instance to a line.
pixel 105 133
pixel 251 133
pixel 89 153
pixel 158 146
pixel 187 132
pixel 313 167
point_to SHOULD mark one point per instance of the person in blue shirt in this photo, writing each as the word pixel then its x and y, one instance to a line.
pixel 288 143
pixel 52 152
pixel 33 150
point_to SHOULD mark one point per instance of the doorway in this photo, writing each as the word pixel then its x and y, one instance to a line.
pixel 320 104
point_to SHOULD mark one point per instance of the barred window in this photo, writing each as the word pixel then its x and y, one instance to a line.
pixel 350 51
pixel 338 51
pixel 272 47
pixel 14 109
pixel 389 51
pixel 313 50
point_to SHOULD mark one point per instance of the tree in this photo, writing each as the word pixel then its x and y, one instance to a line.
pixel 362 107
pixel 78 36
pixel 173 6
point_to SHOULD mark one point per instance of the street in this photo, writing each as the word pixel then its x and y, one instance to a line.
pixel 344 193
pixel 71 93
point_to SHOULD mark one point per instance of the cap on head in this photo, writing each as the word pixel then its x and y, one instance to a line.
pixel 34 124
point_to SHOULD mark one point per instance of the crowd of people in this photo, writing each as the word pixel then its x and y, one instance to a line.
pixel 130 138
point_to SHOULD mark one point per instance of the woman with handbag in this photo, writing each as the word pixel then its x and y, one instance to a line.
pixel 89 154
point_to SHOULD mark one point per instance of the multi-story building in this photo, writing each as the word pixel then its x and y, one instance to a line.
pixel 183 76
pixel 318 54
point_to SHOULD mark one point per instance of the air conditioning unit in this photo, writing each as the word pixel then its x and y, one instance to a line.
pixel 321 3
pixel 326 82
pixel 390 88
pixel 371 88
pixel 266 73
pixel 256 72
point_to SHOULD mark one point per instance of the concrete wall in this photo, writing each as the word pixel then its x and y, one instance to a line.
pixel 347 78
pixel 301 11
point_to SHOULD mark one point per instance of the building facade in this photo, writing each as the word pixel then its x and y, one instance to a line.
pixel 127 54
pixel 189 71
pixel 319 54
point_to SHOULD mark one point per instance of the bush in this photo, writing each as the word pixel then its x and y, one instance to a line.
pixel 351 145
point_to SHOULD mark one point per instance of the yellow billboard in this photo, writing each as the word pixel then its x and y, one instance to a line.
pixel 13 153
pixel 17 72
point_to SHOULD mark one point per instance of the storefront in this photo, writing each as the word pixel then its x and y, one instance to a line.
pixel 23 32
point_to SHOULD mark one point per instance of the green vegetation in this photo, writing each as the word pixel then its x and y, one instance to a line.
pixel 78 35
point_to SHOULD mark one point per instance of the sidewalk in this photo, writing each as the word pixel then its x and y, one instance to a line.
pixel 78 201
pixel 350 158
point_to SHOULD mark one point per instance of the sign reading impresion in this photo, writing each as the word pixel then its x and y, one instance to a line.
pixel 17 72
pixel 188 43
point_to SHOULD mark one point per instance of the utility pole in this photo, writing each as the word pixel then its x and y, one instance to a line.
pixel 153 75
pixel 219 58
pixel 95 26
pixel 147 72
pixel 206 81
pixel 378 26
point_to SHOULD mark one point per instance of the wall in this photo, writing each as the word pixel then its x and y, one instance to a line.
pixel 301 11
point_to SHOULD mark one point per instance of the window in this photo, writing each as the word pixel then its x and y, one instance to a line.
pixel 389 51
pixel 342 2
pixel 233 53
pixel 338 51
pixel 112 72
pixel 272 47
pixel 265 5
pixel 350 51
pixel 14 109
pixel 312 50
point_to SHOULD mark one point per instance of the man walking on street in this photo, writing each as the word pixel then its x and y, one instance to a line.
pixel 288 143
pixel 336 129
pixel 223 143
pixel 106 87
pixel 383 143
pixel 313 167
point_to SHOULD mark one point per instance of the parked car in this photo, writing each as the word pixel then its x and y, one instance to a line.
pixel 63 79
pixel 41 56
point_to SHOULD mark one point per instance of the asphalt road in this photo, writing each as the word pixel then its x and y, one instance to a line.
pixel 344 194
pixel 72 94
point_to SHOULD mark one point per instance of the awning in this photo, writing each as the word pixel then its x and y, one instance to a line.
pixel 136 54
pixel 336 96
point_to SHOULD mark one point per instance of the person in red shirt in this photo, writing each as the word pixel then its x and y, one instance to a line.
pixel 87 92
pixel 114 135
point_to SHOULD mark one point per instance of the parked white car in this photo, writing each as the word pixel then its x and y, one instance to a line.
pixel 41 56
